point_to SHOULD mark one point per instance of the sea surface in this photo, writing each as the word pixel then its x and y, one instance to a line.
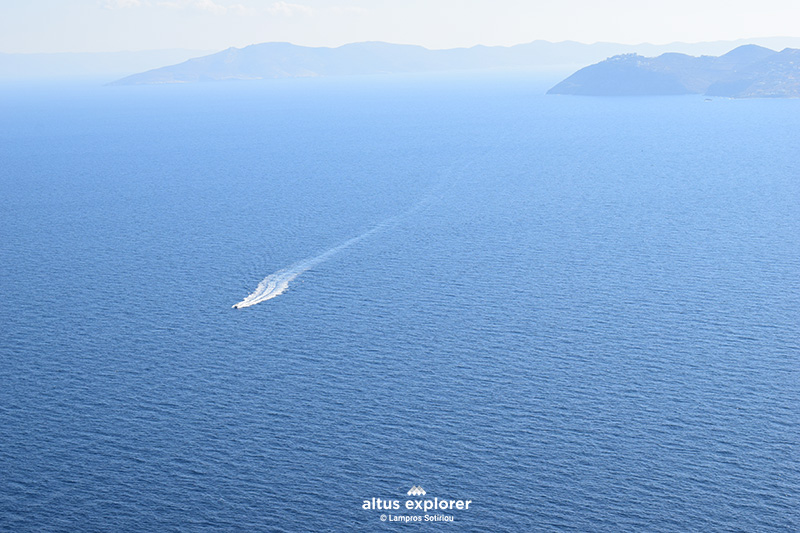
pixel 581 314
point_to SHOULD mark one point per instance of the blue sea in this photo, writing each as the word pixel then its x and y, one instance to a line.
pixel 578 314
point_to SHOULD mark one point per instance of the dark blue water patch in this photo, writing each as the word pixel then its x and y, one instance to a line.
pixel 581 315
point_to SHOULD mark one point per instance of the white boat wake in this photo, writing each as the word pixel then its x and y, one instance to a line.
pixel 277 283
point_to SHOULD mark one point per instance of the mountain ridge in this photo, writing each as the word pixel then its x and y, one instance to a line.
pixel 285 60
pixel 748 71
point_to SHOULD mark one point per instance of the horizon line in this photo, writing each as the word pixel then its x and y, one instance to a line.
pixel 479 45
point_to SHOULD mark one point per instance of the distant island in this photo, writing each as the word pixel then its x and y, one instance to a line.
pixel 285 60
pixel 749 71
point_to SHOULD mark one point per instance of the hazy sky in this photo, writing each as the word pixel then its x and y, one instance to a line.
pixel 112 25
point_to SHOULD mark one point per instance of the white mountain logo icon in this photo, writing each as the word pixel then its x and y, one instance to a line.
pixel 416 491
